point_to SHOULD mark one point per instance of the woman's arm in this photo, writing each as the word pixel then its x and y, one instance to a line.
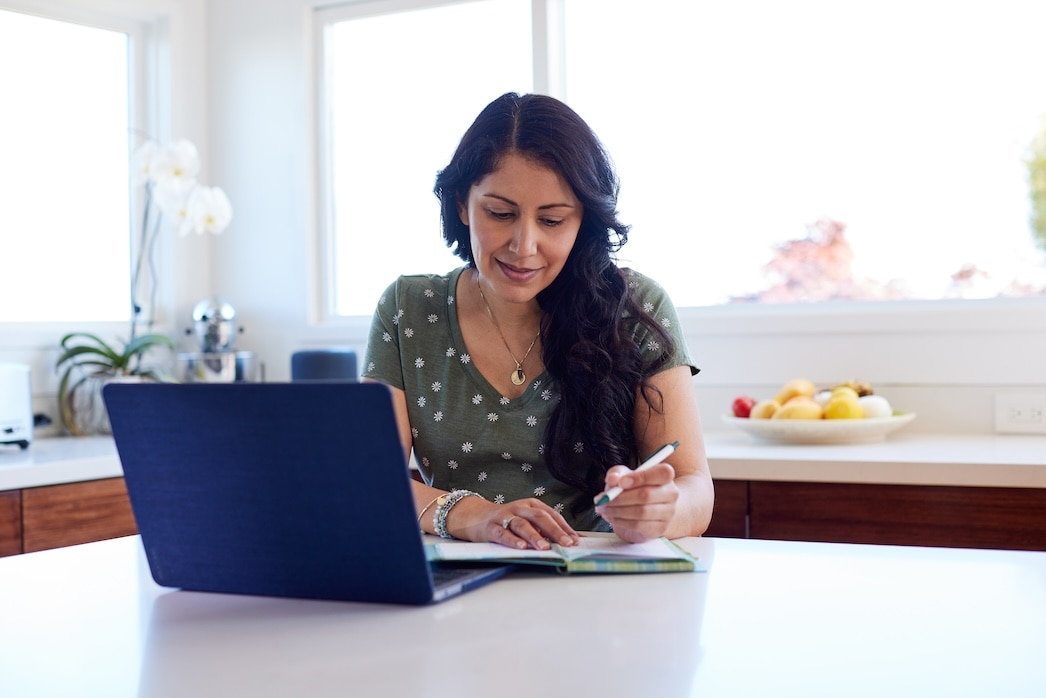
pixel 673 499
pixel 530 523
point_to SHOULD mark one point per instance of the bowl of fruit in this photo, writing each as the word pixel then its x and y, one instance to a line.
pixel 801 413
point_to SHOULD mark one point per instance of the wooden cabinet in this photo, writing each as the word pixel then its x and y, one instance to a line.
pixel 10 523
pixel 41 518
pixel 952 517
pixel 730 514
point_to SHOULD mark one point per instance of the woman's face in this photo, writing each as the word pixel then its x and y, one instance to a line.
pixel 523 219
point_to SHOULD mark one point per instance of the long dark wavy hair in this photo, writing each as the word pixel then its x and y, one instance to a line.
pixel 589 314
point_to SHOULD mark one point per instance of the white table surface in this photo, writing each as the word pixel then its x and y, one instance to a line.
pixel 769 618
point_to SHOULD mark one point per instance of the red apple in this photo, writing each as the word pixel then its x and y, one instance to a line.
pixel 743 406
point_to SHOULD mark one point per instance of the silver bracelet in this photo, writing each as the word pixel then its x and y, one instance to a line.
pixel 443 506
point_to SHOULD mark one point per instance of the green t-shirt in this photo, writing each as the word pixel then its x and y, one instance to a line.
pixel 466 434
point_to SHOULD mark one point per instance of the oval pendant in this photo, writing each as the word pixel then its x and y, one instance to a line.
pixel 518 377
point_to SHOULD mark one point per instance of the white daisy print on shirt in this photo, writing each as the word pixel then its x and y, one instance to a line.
pixel 386 337
pixel 546 394
pixel 506 456
pixel 526 467
pixel 421 401
pixel 653 345
pixel 466 447
pixel 419 362
pixel 438 416
pixel 579 447
pixel 452 464
pixel 476 399
pixel 559 507
pixel 648 307
pixel 408 332
pixel 503 401
pixel 465 359
pixel 666 323
pixel 538 491
pixel 492 416
pixel 429 293
pixel 532 421
pixel 482 475
pixel 436 386
pixel 451 351
pixel 499 499
pixel 433 318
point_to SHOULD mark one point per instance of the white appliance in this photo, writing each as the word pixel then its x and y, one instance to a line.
pixel 16 405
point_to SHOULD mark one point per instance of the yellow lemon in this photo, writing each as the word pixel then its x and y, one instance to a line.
pixel 764 409
pixel 795 388
pixel 844 390
pixel 801 407
pixel 843 407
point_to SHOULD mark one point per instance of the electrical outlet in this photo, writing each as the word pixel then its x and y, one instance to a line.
pixel 1020 413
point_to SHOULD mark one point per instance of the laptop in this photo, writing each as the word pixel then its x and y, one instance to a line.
pixel 277 489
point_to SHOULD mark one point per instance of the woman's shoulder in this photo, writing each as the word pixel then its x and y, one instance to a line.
pixel 428 286
pixel 643 286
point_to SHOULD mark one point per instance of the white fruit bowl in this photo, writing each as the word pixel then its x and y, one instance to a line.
pixel 821 431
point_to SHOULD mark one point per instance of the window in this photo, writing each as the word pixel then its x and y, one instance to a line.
pixel 65 133
pixel 401 89
pixel 895 130
pixel 764 141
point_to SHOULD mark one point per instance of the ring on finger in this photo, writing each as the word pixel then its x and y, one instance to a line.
pixel 506 521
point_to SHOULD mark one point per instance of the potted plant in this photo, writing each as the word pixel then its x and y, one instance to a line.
pixel 87 363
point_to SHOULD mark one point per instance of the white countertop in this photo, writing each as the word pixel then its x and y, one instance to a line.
pixel 986 460
pixel 58 460
pixel 966 460
pixel 769 618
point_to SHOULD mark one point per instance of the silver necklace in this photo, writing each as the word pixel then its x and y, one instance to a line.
pixel 518 376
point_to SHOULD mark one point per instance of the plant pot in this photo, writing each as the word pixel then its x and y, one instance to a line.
pixel 88 413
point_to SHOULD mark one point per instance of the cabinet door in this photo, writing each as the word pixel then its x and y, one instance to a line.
pixel 10 523
pixel 730 514
pixel 950 517
pixel 79 512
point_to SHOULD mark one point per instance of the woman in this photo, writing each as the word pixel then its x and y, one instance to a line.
pixel 526 381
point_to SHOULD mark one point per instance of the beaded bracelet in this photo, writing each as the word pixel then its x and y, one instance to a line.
pixel 443 506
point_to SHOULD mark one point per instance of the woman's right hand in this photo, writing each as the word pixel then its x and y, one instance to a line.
pixel 521 524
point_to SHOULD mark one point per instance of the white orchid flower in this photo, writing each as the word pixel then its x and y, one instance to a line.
pixel 175 166
pixel 208 210
pixel 174 203
pixel 142 162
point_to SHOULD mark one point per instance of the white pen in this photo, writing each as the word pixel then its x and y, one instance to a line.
pixel 655 458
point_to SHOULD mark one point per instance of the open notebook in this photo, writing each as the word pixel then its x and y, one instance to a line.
pixel 596 553
pixel 276 489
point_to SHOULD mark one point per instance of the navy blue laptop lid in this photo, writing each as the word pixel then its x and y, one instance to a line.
pixel 275 489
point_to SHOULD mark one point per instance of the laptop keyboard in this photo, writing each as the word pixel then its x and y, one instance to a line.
pixel 442 574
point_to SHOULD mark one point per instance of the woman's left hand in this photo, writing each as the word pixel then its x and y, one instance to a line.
pixel 644 509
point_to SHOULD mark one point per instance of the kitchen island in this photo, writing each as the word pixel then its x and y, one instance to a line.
pixel 767 618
